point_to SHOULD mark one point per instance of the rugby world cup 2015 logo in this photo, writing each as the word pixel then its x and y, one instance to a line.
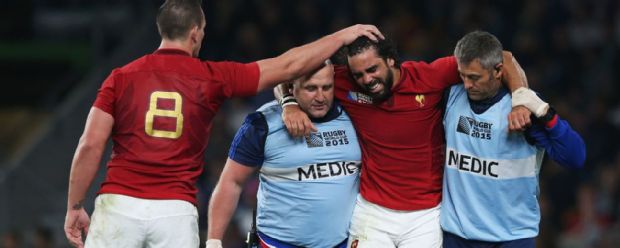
pixel 335 137
pixel 463 126
pixel 359 97
pixel 315 140
pixel 474 128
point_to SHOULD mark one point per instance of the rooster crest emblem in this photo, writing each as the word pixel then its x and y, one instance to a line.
pixel 420 99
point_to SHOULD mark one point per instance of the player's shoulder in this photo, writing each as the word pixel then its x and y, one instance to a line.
pixel 136 64
pixel 227 65
pixel 270 107
pixel 272 114
pixel 409 64
pixel 255 119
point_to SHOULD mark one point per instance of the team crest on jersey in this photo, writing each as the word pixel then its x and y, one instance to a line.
pixel 474 128
pixel 420 99
pixel 328 138
pixel 359 97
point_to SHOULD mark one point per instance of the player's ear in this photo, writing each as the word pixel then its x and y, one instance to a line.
pixel 390 62
pixel 498 71
pixel 193 34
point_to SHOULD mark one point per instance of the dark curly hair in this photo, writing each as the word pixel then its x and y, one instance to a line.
pixel 385 48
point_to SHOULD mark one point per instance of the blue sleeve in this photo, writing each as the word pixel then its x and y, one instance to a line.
pixel 248 146
pixel 561 142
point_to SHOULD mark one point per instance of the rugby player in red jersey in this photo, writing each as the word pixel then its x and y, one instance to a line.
pixel 158 111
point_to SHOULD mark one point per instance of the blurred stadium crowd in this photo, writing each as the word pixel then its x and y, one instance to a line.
pixel 570 51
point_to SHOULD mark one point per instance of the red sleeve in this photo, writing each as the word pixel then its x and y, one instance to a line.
pixel 240 79
pixel 342 77
pixel 447 70
pixel 439 74
pixel 105 96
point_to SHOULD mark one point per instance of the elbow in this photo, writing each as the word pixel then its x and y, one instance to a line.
pixel 580 156
pixel 580 159
pixel 571 157
pixel 577 160
pixel 88 145
pixel 227 188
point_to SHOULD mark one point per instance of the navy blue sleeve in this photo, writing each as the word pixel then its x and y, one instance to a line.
pixel 248 146
pixel 561 142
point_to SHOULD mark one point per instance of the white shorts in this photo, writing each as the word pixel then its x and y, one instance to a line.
pixel 375 226
pixel 124 221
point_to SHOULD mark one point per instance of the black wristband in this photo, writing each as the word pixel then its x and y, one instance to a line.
pixel 548 116
pixel 285 98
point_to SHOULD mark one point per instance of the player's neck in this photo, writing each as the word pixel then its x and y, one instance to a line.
pixel 176 44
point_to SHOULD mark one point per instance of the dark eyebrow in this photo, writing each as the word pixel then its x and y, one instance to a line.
pixel 372 68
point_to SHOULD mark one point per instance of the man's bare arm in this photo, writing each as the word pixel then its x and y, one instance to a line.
pixel 83 170
pixel 301 60
pixel 225 198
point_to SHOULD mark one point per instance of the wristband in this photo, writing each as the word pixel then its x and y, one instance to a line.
pixel 287 100
pixel 292 102
pixel 548 117
pixel 214 243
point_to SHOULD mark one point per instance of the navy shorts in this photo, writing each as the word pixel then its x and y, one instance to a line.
pixel 269 242
pixel 453 241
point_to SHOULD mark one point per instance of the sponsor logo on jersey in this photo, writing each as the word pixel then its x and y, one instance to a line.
pixel 310 172
pixel 359 97
pixel 420 99
pixel 474 128
pixel 327 138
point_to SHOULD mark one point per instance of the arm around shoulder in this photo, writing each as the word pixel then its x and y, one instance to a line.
pixel 514 75
pixel 303 59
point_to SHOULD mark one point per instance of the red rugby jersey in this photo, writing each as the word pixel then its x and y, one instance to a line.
pixel 402 139
pixel 163 105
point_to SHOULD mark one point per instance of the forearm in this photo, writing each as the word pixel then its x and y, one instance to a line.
pixel 222 206
pixel 306 58
pixel 303 59
pixel 561 143
pixel 281 90
pixel 514 76
pixel 566 146
pixel 297 61
pixel 83 170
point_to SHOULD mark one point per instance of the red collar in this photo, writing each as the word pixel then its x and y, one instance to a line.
pixel 171 51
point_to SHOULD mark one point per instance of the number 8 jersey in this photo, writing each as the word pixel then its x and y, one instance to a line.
pixel 163 105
